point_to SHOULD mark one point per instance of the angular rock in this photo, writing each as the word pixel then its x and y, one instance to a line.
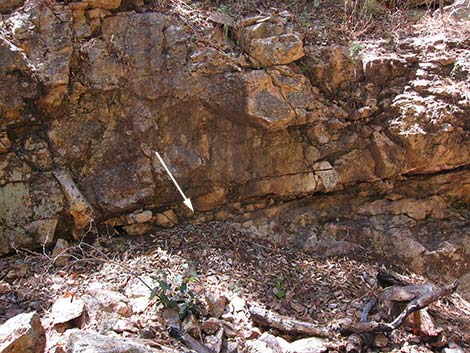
pixel 140 217
pixel 279 50
pixel 68 312
pixel 215 342
pixel 216 304
pixel 23 333
pixel 332 69
pixel 80 209
pixel 268 42
pixel 77 341
pixel 308 345
pixel 166 219
pixel 275 344
pixel 4 287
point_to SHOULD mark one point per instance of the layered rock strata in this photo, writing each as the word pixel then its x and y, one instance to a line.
pixel 89 90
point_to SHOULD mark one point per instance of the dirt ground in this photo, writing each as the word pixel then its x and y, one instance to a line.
pixel 221 259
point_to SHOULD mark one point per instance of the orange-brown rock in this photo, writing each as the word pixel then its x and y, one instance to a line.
pixel 23 333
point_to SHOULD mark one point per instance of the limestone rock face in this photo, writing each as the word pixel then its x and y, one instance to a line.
pixel 23 333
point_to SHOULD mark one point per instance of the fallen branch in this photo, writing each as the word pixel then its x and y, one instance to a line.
pixel 188 340
pixel 387 278
pixel 421 297
pixel 286 324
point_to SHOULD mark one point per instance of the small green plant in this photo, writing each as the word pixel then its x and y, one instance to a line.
pixel 355 50
pixel 177 294
pixel 223 9
pixel 303 68
pixel 279 290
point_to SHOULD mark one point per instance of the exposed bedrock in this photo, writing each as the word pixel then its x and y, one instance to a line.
pixel 88 92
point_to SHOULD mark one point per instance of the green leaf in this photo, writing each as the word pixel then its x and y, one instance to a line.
pixel 183 288
pixel 164 285
pixel 183 310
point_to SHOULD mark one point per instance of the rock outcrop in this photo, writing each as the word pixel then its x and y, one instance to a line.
pixel 89 91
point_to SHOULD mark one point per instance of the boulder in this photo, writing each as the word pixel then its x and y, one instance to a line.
pixel 23 333
pixel 268 42
pixel 77 341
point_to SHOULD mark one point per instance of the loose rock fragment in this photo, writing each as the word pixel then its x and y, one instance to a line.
pixel 23 333
pixel 68 312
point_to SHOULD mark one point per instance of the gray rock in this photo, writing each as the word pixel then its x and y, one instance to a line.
pixel 77 341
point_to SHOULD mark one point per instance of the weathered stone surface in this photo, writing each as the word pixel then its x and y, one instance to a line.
pixel 211 200
pixel 23 333
pixel 216 304
pixel 268 43
pixel 77 341
pixel 139 217
pixel 79 208
pixel 332 69
pixel 166 219
pixel 44 33
pixel 138 229
pixel 308 345
pixel 91 89
pixel 68 312
pixel 104 4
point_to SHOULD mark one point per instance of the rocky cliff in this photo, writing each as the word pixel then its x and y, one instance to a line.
pixel 246 116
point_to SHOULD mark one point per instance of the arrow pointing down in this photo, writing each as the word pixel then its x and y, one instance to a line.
pixel 187 200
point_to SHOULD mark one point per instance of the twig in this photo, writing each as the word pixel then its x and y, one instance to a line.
pixel 108 259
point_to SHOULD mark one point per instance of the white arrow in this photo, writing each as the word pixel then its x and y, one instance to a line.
pixel 187 200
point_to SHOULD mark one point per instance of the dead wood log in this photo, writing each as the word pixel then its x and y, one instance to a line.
pixel 286 324
pixel 387 278
pixel 419 297
pixel 188 340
